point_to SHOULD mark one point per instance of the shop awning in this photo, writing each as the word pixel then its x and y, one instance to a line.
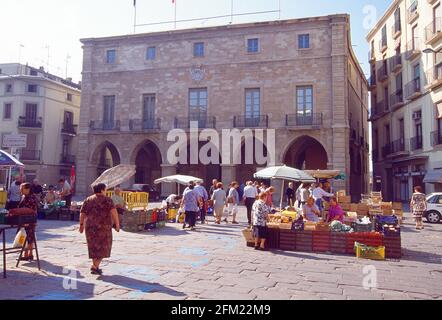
pixel 433 176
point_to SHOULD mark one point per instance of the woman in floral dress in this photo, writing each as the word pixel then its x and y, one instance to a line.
pixel 98 215
pixel 418 205
pixel 260 211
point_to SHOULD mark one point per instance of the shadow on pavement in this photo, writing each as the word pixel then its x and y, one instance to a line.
pixel 298 255
pixel 420 256
pixel 139 285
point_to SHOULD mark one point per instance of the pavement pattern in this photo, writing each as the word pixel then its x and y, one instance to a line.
pixel 213 262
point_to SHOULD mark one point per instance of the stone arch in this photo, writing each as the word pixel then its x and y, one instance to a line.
pixel 306 153
pixel 147 158
pixel 106 155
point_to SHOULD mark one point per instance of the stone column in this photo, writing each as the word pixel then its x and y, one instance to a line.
pixel 168 188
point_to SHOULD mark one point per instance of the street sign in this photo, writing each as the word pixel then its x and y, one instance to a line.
pixel 14 141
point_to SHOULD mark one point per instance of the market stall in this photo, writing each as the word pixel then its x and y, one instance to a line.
pixel 373 236
pixel 7 163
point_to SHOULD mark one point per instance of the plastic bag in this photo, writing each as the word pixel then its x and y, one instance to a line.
pixel 226 212
pixel 20 239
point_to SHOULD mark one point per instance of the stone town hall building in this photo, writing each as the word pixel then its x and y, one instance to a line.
pixel 299 77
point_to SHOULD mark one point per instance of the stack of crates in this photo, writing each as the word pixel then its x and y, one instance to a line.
pixel 287 240
pixel 338 242
pixel 321 241
pixel 130 221
pixel 161 218
pixel 304 241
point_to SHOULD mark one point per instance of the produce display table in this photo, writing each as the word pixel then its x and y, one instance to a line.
pixel 328 241
pixel 5 251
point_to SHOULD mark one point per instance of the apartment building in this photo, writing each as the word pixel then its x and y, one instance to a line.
pixel 46 109
pixel 406 98
pixel 299 77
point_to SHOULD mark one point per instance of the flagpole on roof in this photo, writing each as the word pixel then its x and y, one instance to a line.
pixel 174 2
pixel 135 16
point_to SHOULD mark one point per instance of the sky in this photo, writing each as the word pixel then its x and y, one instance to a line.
pixel 47 32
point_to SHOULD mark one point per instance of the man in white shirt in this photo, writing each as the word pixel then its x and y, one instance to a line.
pixel 249 198
pixel 65 192
pixel 202 198
pixel 304 194
pixel 318 194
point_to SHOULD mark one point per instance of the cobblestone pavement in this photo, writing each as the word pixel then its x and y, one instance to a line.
pixel 213 262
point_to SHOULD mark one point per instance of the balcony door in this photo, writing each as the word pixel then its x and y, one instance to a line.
pixel 253 106
pixel 148 111
pixel 31 112
pixel 68 119
pixel 304 105
pixel 414 34
pixel 198 106
pixel 437 15
pixel 109 112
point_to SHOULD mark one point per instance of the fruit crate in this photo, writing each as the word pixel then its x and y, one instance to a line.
pixel 142 217
pixel 338 242
pixel 272 238
pixel 304 241
pixel 321 241
pixel 372 239
pixel 367 252
pixel 362 227
pixel 287 240
pixel 393 248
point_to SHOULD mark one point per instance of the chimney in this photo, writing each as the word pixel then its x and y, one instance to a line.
pixel 69 79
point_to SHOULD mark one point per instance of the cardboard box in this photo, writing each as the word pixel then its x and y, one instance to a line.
pixel 362 207
pixel 345 206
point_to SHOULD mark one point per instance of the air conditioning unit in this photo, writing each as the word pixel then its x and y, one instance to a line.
pixel 417 115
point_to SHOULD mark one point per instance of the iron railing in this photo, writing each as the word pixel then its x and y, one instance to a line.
pixel 261 121
pixel 25 122
pixel 436 138
pixel 299 120
pixel 104 125
pixel 69 128
pixel 144 124
pixel 433 29
pixel 416 143
pixel 413 87
pixel 202 122
pixel 30 155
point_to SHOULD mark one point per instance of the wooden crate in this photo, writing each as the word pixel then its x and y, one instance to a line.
pixel 397 206
pixel 321 241
pixel 338 242
pixel 354 207
pixel 393 248
pixel 362 207
pixel 287 240
pixel 345 206
pixel 304 241
pixel 344 199
pixel 272 241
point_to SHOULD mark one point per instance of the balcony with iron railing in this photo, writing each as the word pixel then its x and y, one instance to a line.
pixel 434 77
pixel 413 12
pixel 398 146
pixel 201 121
pixel 395 63
pixel 378 109
pixel 67 159
pixel 436 138
pixel 416 143
pixel 303 121
pixel 69 129
pixel 382 73
pixel 29 155
pixel 433 32
pixel 396 100
pixel 413 89
pixel 99 125
pixel 139 125
pixel 261 121
pixel 32 123
pixel 414 49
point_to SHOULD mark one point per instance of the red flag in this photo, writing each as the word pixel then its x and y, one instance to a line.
pixel 72 179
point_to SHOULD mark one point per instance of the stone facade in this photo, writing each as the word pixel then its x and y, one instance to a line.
pixel 226 71
pixel 406 90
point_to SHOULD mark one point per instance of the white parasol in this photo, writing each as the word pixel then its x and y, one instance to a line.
pixel 179 179
pixel 115 176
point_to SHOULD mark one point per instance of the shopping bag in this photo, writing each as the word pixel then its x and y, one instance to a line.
pixel 226 212
pixel 20 239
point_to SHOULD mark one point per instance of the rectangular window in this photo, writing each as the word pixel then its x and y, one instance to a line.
pixel 198 49
pixel 198 103
pixel 65 148
pixel 69 97
pixel 397 20
pixel 7 111
pixel 384 36
pixel 387 134
pixel 304 41
pixel 304 101
pixel 108 111
pixel 148 107
pixel 32 88
pixel 68 119
pixel 151 53
pixel 253 45
pixel 111 56
pixel 399 83
pixel 401 130
pixel 414 40
pixel 253 103
pixel 8 88
pixel 386 98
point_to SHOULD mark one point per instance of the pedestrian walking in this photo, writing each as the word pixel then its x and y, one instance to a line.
pixel 98 216
pixel 233 201
pixel 30 201
pixel 418 205
pixel 249 197
pixel 202 200
pixel 190 205
pixel 213 187
pixel 219 202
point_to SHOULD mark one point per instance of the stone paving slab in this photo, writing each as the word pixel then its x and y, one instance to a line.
pixel 214 263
